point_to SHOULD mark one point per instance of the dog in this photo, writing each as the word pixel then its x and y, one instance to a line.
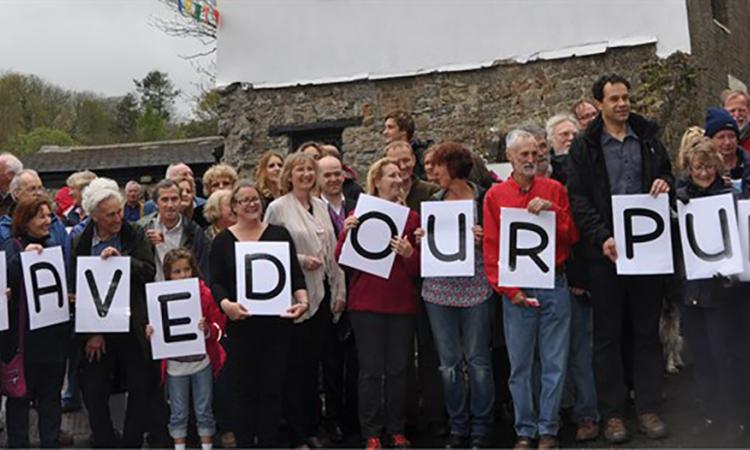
pixel 669 334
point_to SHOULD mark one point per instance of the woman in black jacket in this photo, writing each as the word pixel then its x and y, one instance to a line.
pixel 44 349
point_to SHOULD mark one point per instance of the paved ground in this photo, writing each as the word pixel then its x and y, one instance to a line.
pixel 680 413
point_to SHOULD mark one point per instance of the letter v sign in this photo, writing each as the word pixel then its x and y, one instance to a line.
pixel 102 308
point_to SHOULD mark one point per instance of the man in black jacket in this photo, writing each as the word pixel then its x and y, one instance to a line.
pixel 619 153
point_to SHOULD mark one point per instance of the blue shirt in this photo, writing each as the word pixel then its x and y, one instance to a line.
pixel 98 246
pixel 623 160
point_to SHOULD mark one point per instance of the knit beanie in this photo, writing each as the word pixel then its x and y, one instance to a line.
pixel 718 119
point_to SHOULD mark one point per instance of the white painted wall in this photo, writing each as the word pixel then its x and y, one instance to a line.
pixel 272 43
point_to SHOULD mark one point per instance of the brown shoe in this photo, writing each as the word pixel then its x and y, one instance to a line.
pixel 652 426
pixel 547 442
pixel 522 443
pixel 588 430
pixel 615 431
pixel 228 440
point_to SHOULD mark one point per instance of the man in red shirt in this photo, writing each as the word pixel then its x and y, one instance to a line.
pixel 536 321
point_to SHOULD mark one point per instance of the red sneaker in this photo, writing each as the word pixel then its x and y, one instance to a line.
pixel 373 443
pixel 400 441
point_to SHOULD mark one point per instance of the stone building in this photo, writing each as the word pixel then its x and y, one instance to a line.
pixel 477 103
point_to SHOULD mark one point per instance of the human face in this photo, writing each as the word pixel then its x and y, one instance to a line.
pixel 220 182
pixel 133 194
pixel 38 226
pixel 726 142
pixel 429 167
pixel 248 206
pixel 169 205
pixel 702 173
pixel 562 137
pixel 227 218
pixel 389 185
pixel 108 217
pixel 615 105
pixel 405 159
pixel 31 185
pixel 180 270
pixel 542 162
pixel 585 113
pixel 738 108
pixel 391 132
pixel 273 168
pixel 441 175
pixel 331 176
pixel 524 157
pixel 303 176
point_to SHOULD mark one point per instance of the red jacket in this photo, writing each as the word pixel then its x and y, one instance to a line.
pixel 509 194
pixel 215 321
pixel 396 295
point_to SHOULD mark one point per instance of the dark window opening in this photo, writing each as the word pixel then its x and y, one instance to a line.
pixel 327 132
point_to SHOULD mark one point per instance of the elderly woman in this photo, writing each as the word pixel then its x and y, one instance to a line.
pixel 107 234
pixel 460 312
pixel 382 312
pixel 713 313
pixel 258 345
pixel 268 176
pixel 218 213
pixel 45 349
pixel 306 217
pixel 76 182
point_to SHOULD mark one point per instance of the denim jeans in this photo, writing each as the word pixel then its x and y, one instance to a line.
pixel 179 389
pixel 545 330
pixel 580 368
pixel 463 334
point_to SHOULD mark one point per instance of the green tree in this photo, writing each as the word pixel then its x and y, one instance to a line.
pixel 125 122
pixel 31 142
pixel 206 122
pixel 93 120
pixel 157 93
pixel 151 126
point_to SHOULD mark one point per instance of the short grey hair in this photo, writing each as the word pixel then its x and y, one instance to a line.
pixel 557 119
pixel 134 183
pixel 535 130
pixel 15 183
pixel 168 173
pixel 99 190
pixel 166 183
pixel 513 138
pixel 12 163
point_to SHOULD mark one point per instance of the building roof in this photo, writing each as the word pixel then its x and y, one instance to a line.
pixel 206 150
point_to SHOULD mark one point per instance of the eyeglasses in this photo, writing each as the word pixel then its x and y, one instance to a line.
pixel 248 201
pixel 703 168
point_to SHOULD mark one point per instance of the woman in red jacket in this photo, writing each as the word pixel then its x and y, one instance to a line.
pixel 382 315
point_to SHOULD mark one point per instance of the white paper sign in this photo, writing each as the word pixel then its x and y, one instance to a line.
pixel 447 249
pixel 264 277
pixel 368 246
pixel 743 222
pixel 643 237
pixel 527 249
pixel 709 236
pixel 46 287
pixel 4 319
pixel 174 310
pixel 103 294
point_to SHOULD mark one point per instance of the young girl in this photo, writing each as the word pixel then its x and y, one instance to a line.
pixel 195 371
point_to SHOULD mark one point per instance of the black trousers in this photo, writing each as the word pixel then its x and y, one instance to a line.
pixel 225 410
pixel 301 399
pixel 257 359
pixel 424 377
pixel 43 384
pixel 383 346
pixel 340 371
pixel 643 295
pixel 146 408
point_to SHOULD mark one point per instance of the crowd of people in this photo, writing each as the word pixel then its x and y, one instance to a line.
pixel 359 353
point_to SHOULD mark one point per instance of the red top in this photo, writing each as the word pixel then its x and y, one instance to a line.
pixel 395 295
pixel 746 144
pixel 509 194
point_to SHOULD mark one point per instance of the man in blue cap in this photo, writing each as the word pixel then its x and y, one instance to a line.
pixel 723 131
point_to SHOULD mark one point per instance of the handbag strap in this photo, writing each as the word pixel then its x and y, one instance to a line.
pixel 21 308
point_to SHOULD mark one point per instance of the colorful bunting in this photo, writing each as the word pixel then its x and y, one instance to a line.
pixel 201 11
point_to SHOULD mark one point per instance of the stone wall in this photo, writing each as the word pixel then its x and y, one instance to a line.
pixel 474 107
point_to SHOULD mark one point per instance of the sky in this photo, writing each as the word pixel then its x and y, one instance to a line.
pixel 97 45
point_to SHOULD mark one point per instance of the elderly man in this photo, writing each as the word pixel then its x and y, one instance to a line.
pixel 585 112
pixel 561 130
pixel 105 355
pixel 536 321
pixel 737 103
pixel 619 153
pixel 133 209
pixel 167 229
pixel 9 167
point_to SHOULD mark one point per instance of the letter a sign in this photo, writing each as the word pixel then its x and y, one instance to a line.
pixel 264 283
pixel 46 290
pixel 527 249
